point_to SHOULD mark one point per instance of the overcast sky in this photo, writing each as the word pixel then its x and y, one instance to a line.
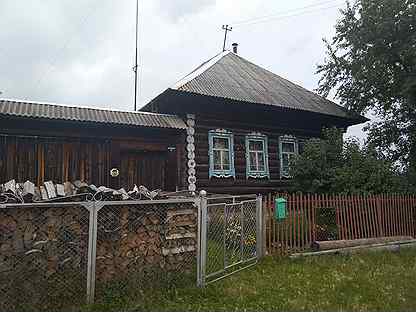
pixel 82 52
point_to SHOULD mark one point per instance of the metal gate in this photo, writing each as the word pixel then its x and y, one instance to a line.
pixel 230 236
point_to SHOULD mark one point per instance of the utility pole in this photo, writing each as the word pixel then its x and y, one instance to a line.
pixel 226 29
pixel 135 63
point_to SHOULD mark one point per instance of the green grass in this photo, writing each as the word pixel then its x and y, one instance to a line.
pixel 362 282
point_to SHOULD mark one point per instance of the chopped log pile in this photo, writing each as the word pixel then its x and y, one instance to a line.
pixel 27 192
pixel 150 239
pixel 40 243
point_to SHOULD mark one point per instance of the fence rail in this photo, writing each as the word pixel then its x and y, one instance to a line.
pixel 313 217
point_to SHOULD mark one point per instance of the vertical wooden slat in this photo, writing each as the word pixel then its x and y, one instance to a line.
pixel 353 216
pixel 350 223
pixel 313 221
pixel 337 215
pixel 364 218
pixel 379 216
pixel 393 216
pixel 389 209
pixel 375 216
pixel 408 216
pixel 396 214
pixel 400 213
pixel 369 217
pixel 298 217
pixel 308 220
pixel 342 216
pixel 359 205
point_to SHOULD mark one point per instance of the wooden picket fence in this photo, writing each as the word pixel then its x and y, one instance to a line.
pixel 313 217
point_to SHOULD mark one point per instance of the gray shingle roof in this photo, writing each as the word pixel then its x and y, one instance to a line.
pixel 230 76
pixel 82 114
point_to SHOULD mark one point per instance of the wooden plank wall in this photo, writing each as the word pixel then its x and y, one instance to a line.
pixel 314 217
pixel 55 159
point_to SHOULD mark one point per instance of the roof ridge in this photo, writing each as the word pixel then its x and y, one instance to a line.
pixel 82 107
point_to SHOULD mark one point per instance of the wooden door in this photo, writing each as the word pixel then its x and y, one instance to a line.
pixel 143 168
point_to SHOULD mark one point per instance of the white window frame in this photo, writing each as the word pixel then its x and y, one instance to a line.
pixel 287 139
pixel 222 134
pixel 257 173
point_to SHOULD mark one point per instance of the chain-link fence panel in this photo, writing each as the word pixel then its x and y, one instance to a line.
pixel 141 246
pixel 249 230
pixel 216 239
pixel 231 235
pixel 43 257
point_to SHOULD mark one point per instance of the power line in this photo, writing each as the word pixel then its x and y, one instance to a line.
pixel 297 12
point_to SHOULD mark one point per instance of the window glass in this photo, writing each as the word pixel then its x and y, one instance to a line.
pixel 255 145
pixel 217 160
pixel 220 143
pixel 225 160
pixel 252 157
pixel 288 147
pixel 261 162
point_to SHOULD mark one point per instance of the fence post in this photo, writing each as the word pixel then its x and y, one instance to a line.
pixel 92 242
pixel 259 227
pixel 202 239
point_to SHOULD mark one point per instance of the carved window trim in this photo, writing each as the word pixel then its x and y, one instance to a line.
pixel 257 173
pixel 288 139
pixel 223 134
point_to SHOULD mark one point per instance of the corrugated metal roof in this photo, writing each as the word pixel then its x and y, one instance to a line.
pixel 84 114
pixel 227 75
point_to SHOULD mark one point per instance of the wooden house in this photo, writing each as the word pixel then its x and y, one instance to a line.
pixel 229 126
pixel 244 124
pixel 41 142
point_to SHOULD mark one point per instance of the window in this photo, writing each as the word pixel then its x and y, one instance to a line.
pixel 256 156
pixel 288 150
pixel 221 154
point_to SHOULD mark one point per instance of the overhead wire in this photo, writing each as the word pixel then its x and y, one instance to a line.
pixel 282 15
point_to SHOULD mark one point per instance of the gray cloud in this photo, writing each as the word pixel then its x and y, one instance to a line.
pixel 174 10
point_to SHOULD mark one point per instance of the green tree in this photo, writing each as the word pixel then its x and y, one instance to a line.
pixel 331 165
pixel 371 66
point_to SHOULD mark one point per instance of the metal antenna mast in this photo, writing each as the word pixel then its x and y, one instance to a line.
pixel 226 30
pixel 135 64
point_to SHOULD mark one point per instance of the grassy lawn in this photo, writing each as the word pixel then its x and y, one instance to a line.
pixel 365 282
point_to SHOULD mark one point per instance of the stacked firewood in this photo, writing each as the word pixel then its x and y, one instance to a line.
pixel 147 240
pixel 12 192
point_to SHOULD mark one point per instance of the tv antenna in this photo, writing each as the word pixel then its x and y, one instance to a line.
pixel 135 63
pixel 226 30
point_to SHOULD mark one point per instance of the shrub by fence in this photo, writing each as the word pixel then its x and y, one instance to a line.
pixel 330 217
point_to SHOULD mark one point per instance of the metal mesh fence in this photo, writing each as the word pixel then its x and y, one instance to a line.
pixel 145 246
pixel 43 257
pixel 58 256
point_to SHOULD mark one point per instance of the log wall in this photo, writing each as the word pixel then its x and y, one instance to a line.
pixel 241 184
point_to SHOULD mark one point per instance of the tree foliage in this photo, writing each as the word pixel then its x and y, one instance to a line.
pixel 331 165
pixel 371 66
